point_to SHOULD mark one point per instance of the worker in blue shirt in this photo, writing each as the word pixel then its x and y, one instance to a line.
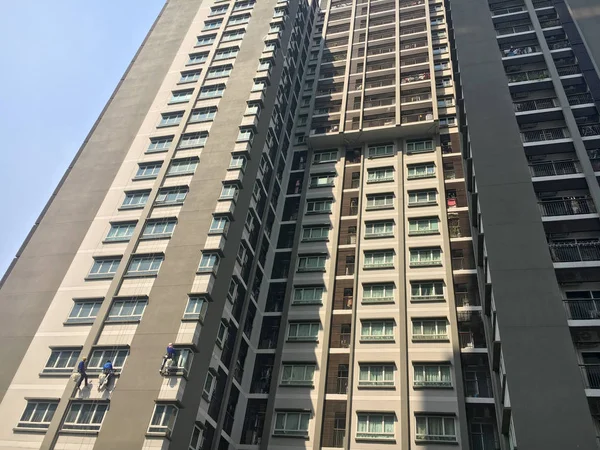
pixel 81 370
pixel 108 371
pixel 169 356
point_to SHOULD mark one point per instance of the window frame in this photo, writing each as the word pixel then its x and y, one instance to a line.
pixel 430 193
pixel 292 380
pixel 304 267
pixel 376 170
pixel 414 171
pixel 331 156
pixel 322 237
pixel 386 370
pixel 78 303
pixel 140 197
pixel 72 355
pixel 420 437
pixel 299 431
pixel 162 198
pixel 373 199
pixel 421 368
pixel 295 337
pixel 371 225
pixel 380 150
pixel 417 221
pixel 327 205
pixel 191 164
pixel 116 227
pixel 195 76
pixel 165 414
pixel 93 424
pixel 204 114
pixel 113 260
pixel 117 355
pixel 207 258
pixel 388 259
pixel 156 259
pixel 121 303
pixel 49 405
pixel 371 435
pixel 159 144
pixel 435 284
pixel 388 330
pixel 181 96
pixel 419 146
pixel 437 336
pixel 192 310
pixel 168 222
pixel 148 170
pixel 421 252
pixel 377 299
pixel 170 119
pixel 314 299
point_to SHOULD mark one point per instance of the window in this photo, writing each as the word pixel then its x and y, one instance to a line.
pixel 190 77
pixel 245 134
pixel 104 267
pixel 219 225
pixel 84 311
pixel 427 290
pixel 237 162
pixel 243 5
pixel 380 175
pixel 229 191
pixel 258 86
pixel 432 375
pixel 430 330
pixel 378 293
pixel 135 199
pixel 253 109
pixel 87 416
pixel 171 196
pixel 238 20
pixel 322 180
pixel 186 166
pixel 193 140
pixel 219 71
pixel 159 228
pixel 379 259
pixel 427 225
pixel 197 58
pixel 315 233
pixel 312 263
pixel 319 206
pixel 445 102
pixel 380 201
pixel 376 375
pixel 212 91
pixel 226 53
pixel 422 198
pixel 303 331
pixel 416 171
pixel 275 28
pixel 125 310
pixel 232 291
pixel 448 121
pixel 38 414
pixel 159 144
pixel 163 419
pixel 209 262
pixel 196 308
pixel 207 39
pixel 377 330
pixel 148 171
pixel 183 96
pixel 197 441
pixel 145 265
pixel 443 82
pixel 435 429
pixel 375 426
pixel 203 114
pixel 291 423
pixel 379 229
pixel 423 257
pixel 308 295
pixel 325 156
pixel 170 119
pixel 438 50
pixel 419 146
pixel 209 383
pixel 221 334
pixel 298 374
pixel 62 361
pixel 100 356
pixel 120 232
pixel 376 151
pixel 233 35
pixel 216 10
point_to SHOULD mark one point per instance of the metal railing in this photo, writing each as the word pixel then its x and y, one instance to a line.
pixel 416 77
pixel 462 263
pixel 411 3
pixel 550 23
pixel 534 105
pixel 553 168
pixel 414 118
pixel 580 99
pixel 518 51
pixel 582 309
pixel 548 134
pixel 558 45
pixel 324 130
pixel 327 110
pixel 481 387
pixel 595 164
pixel 467 340
pixel 411 45
pixel 413 61
pixel 379 122
pixel 376 103
pixel 500 12
pixel 568 70
pixel 342 385
pixel 575 251
pixel 589 130
pixel 416 98
pixel 568 207
pixel 530 75
pixel 541 4
pixel 377 51
pixel 512 30
pixel 591 375
pixel 375 84
pixel 466 299
pixel 338 437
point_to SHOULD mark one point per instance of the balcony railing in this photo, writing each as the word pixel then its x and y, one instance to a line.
pixel 480 387
pixel 467 340
pixel 548 134
pixel 466 299
pixel 414 118
pixel 413 61
pixel 416 77
pixel 582 309
pixel 534 105
pixel 530 75
pixel 589 130
pixel 338 437
pixel 412 45
pixel 591 375
pixel 376 123
pixel 554 168
pixel 324 130
pixel 568 70
pixel 342 385
pixel 550 23
pixel 376 103
pixel 541 4
pixel 559 45
pixel 512 30
pixel 500 12
pixel 580 99
pixel 570 207
pixel 575 251
pixel 416 98
pixel 518 51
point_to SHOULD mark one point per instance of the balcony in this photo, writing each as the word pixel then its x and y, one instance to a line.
pixel 554 168
pixel 568 70
pixel 504 11
pixel 478 383
pixel 559 45
pixel 580 99
pixel 413 78
pixel 411 3
pixel 591 375
pixel 589 130
pixel 575 251
pixel 582 309
pixel 470 340
pixel 505 30
pixel 324 130
pixel 415 118
pixel 519 51
pixel 570 207
pixel 547 134
pixel 377 103
pixel 530 75
pixel 536 105
pixel 416 98
pixel 550 23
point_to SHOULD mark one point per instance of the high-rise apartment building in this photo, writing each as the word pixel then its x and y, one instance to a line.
pixel 362 224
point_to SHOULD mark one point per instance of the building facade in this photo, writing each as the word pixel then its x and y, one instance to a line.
pixel 362 224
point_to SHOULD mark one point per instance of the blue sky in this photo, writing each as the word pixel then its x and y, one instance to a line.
pixel 61 61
